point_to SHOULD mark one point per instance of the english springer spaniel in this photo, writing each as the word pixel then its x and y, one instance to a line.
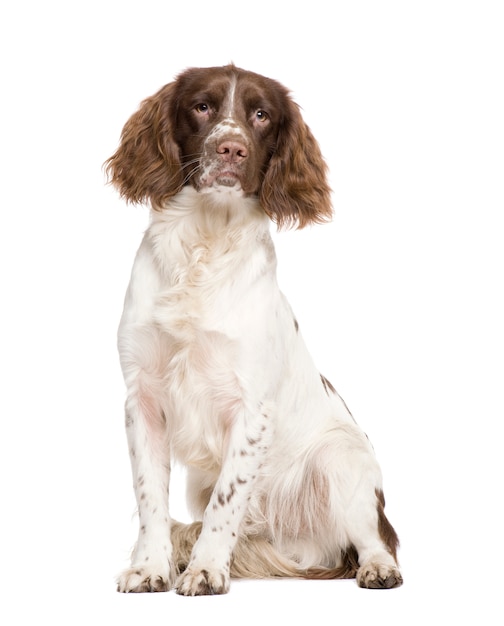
pixel 218 377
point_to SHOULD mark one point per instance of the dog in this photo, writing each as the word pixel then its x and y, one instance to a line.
pixel 280 477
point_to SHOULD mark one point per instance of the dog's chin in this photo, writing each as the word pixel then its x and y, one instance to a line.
pixel 221 183
pixel 227 179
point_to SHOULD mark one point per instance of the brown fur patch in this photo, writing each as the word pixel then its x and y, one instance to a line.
pixel 387 533
pixel 347 569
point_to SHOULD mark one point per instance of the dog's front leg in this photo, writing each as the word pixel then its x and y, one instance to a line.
pixel 208 569
pixel 151 563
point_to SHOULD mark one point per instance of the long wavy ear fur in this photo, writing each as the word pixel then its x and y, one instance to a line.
pixel 295 191
pixel 146 166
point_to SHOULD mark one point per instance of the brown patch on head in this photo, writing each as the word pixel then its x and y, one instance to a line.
pixel 387 533
pixel 258 138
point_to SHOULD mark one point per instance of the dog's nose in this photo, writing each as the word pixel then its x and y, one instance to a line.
pixel 232 151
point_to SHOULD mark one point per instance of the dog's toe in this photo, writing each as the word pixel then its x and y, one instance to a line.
pixel 375 575
pixel 202 582
pixel 144 580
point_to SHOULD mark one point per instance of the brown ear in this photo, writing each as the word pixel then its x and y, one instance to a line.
pixel 295 191
pixel 146 166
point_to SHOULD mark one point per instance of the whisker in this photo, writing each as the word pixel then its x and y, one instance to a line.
pixel 191 162
pixel 189 174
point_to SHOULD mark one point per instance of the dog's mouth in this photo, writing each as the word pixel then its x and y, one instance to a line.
pixel 217 177
pixel 227 178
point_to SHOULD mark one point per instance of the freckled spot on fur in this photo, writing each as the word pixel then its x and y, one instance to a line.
pixel 221 499
pixel 143 496
pixel 231 493
pixel 214 530
pixel 142 529
pixel 241 481
pixel 296 325
pixel 252 441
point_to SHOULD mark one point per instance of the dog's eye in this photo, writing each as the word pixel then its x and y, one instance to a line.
pixel 202 108
pixel 261 116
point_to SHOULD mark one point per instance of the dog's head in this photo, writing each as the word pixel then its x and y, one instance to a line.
pixel 223 129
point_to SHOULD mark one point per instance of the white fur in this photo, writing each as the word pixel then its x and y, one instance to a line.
pixel 218 377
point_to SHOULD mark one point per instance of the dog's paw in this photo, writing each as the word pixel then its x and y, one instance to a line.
pixel 202 582
pixel 376 575
pixel 145 579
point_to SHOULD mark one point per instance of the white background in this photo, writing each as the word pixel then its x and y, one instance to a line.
pixel 400 299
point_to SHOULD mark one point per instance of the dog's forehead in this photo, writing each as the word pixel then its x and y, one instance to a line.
pixel 202 83
pixel 217 84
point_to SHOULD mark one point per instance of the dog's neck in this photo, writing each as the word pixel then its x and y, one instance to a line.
pixel 210 230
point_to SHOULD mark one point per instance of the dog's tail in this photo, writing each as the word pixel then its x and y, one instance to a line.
pixel 255 557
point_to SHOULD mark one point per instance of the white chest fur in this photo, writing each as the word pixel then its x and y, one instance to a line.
pixel 202 309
